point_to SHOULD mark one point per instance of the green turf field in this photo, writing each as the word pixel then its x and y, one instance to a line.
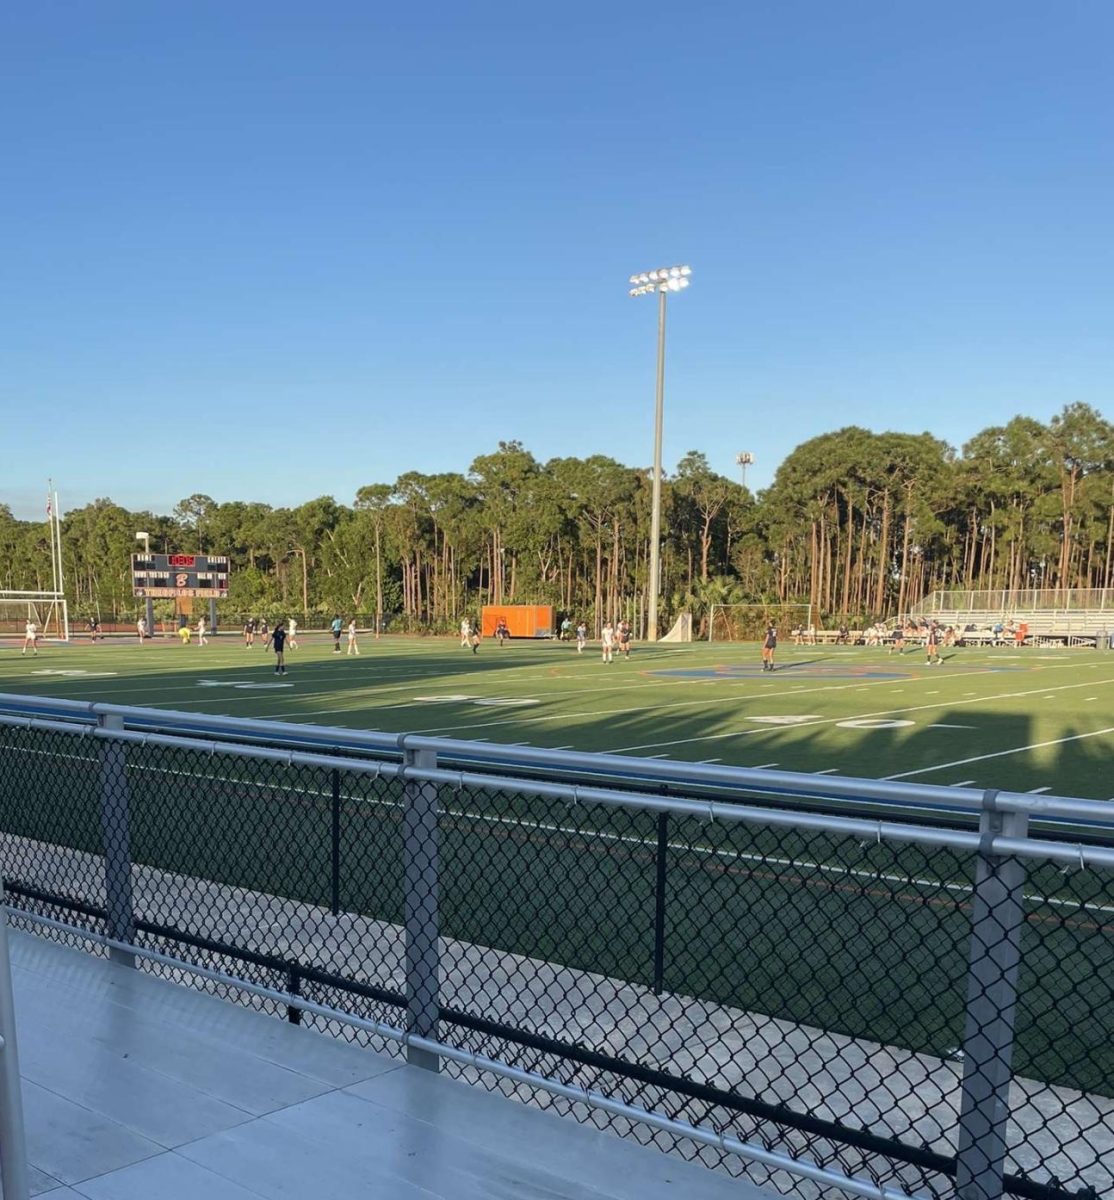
pixel 1029 720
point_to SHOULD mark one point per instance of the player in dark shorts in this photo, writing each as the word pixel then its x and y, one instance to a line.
pixel 502 632
pixel 624 638
pixel 769 645
pixel 932 645
pixel 94 629
pixel 335 626
pixel 249 632
pixel 898 642
pixel 278 640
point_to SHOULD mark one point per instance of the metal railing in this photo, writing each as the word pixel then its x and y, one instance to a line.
pixel 833 986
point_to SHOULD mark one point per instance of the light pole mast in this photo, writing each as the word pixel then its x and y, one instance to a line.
pixel 744 460
pixel 663 281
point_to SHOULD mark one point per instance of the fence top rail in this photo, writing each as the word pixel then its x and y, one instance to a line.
pixel 710 811
pixel 569 764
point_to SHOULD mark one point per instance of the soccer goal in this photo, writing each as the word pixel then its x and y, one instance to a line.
pixel 748 622
pixel 681 631
pixel 47 610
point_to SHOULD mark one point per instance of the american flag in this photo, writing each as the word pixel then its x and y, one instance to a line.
pixel 48 506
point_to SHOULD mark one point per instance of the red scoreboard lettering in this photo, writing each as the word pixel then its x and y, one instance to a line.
pixel 182 560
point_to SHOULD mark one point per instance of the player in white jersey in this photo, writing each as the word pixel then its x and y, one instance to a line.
pixel 465 632
pixel 30 638
pixel 607 640
pixel 201 639
pixel 292 634
pixel 353 645
pixel 581 637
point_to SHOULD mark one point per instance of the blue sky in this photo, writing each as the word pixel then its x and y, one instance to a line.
pixel 275 250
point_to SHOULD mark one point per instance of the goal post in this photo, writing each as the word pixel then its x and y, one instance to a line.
pixel 48 610
pixel 748 622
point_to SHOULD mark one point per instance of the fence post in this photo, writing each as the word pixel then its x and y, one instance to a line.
pixel 294 988
pixel 115 802
pixel 334 856
pixel 659 902
pixel 14 1175
pixel 997 917
pixel 421 872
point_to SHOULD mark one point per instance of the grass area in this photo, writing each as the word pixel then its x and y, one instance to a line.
pixel 1020 720
pixel 868 941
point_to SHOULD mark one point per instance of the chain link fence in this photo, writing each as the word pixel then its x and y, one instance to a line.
pixel 824 1005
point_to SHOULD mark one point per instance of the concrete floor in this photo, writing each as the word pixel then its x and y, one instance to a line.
pixel 137 1089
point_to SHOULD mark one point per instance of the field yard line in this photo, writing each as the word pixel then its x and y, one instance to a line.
pixel 889 712
pixel 1077 737
pixel 734 698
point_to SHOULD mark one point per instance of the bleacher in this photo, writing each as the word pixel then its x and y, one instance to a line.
pixel 1072 617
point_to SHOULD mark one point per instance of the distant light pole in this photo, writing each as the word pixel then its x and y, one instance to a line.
pixel 149 607
pixel 743 460
pixel 663 281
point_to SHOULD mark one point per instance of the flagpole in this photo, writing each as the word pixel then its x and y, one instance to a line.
pixel 61 573
pixel 50 523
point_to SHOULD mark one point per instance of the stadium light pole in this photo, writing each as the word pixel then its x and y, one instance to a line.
pixel 663 281
pixel 743 460
pixel 149 607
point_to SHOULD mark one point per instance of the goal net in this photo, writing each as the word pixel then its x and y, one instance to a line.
pixel 681 631
pixel 47 610
pixel 747 622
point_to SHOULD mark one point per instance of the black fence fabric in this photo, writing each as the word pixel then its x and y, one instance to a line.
pixel 930 1019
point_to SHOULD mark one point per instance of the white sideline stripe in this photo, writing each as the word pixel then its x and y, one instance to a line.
pixel 1037 791
pixel 625 838
pixel 1078 737
pixel 961 783
pixel 884 712
pixel 711 760
pixel 763 766
pixel 827 771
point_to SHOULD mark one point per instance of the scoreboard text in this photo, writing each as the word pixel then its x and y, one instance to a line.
pixel 163 576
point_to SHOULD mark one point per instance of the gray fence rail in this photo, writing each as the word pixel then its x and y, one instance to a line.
pixel 834 987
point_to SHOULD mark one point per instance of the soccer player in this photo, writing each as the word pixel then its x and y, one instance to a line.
pixel 292 636
pixel 581 637
pixel 932 645
pixel 30 638
pixel 201 641
pixel 264 633
pixel 769 645
pixel 474 640
pixel 94 629
pixel 278 640
pixel 184 634
pixel 335 626
pixel 465 633
pixel 607 640
pixel 353 645
pixel 624 638
pixel 898 642
pixel 501 631
pixel 141 629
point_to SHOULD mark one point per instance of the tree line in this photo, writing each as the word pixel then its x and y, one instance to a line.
pixel 859 524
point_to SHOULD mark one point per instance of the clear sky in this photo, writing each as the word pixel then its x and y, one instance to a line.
pixel 276 250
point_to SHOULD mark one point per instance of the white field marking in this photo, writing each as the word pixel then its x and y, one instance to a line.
pixel 1078 737
pixel 961 783
pixel 1091 697
pixel 706 761
pixel 935 693
pixel 562 747
pixel 835 720
pixel 1037 791
pixel 941 725
pixel 827 771
pixel 732 699
pixel 763 766
pixel 603 835
pixel 658 756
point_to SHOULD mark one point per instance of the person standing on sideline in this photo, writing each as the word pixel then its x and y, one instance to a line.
pixel 607 640
pixel 249 631
pixel 278 640
pixel 94 628
pixel 769 645
pixel 141 629
pixel 30 638
pixel 624 638
pixel 201 640
pixel 335 626
pixel 292 636
pixel 581 637
pixel 465 633
pixel 353 645
pixel 566 629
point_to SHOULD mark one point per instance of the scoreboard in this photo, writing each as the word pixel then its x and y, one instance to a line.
pixel 165 576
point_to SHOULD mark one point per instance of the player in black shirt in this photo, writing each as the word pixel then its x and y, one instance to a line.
pixel 768 648
pixel 278 640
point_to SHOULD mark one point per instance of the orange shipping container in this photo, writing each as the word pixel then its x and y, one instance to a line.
pixel 523 620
